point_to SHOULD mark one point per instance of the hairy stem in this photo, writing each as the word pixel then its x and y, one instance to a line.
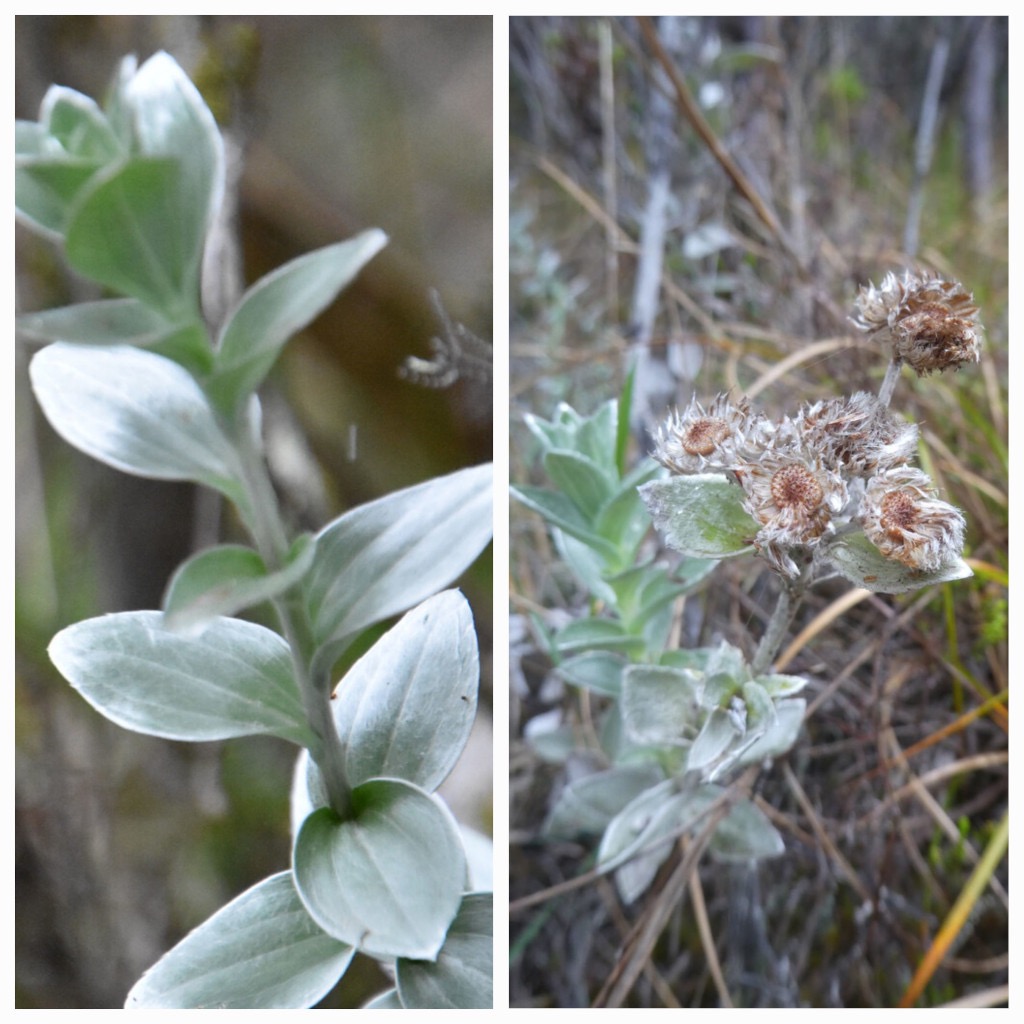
pixel 775 632
pixel 268 532
pixel 892 374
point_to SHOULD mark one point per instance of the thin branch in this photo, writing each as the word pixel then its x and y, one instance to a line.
pixel 691 111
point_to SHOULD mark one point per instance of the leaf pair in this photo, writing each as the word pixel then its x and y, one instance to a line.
pixel 131 190
pixel 263 951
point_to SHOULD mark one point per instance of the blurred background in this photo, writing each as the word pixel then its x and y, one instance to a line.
pixel 718 241
pixel 337 124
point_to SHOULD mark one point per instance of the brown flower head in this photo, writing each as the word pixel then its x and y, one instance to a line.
pixel 794 495
pixel 699 440
pixel 856 435
pixel 932 323
pixel 902 517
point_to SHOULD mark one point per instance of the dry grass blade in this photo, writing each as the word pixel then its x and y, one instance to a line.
pixel 700 911
pixel 958 915
pixel 661 904
pixel 841 863
pixel 690 109
pixel 820 622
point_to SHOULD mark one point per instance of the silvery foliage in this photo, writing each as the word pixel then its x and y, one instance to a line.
pixel 378 864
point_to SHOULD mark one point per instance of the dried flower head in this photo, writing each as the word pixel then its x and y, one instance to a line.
pixel 699 439
pixel 932 323
pixel 794 495
pixel 856 435
pixel 906 522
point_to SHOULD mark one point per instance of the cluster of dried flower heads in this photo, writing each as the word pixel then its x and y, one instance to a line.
pixel 843 463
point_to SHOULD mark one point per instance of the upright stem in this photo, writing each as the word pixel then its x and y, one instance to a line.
pixel 775 631
pixel 892 374
pixel 271 538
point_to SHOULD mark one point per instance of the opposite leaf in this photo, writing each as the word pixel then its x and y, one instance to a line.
pixel 225 579
pixel 862 563
pixel 701 516
pixel 390 879
pixel 261 951
pixel 168 117
pixel 103 322
pixel 279 306
pixel 235 679
pixel 132 231
pixel 461 977
pixel 388 555
pixel 659 704
pixel 135 411
pixel 405 709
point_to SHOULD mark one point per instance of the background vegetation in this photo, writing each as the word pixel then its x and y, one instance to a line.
pixel 124 842
pixel 810 169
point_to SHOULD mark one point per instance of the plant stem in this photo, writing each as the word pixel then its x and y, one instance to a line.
pixel 892 374
pixel 271 539
pixel 775 632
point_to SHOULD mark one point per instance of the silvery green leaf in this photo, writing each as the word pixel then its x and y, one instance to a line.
pixel 696 658
pixel 404 710
pixel 131 231
pixel 863 564
pixel 78 124
pixel 234 679
pixel 729 660
pixel 102 322
pixel 596 436
pixel 598 671
pixel 169 118
pixel 46 189
pixel 659 704
pixel 385 1001
pixel 634 877
pixel 650 823
pixel 390 878
pixel 643 825
pixel 587 564
pixel 560 512
pixel 225 579
pixel 777 685
pixel 261 951
pixel 462 976
pixel 385 556
pixel 581 480
pixel 558 432
pixel 718 690
pixel 701 516
pixel 759 705
pixel 745 833
pixel 624 521
pixel 717 735
pixel 277 307
pixel 135 411
pixel 585 806
pixel 607 634
pixel 781 734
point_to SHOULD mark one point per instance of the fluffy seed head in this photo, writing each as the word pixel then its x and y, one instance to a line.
pixel 902 517
pixel 931 322
pixel 699 439
pixel 793 495
pixel 856 435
